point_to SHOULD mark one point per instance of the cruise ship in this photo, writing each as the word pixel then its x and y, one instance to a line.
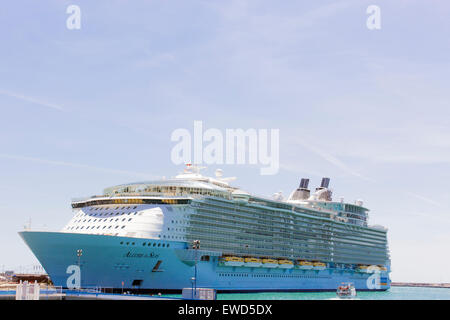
pixel 194 230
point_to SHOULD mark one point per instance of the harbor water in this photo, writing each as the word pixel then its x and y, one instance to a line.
pixel 395 293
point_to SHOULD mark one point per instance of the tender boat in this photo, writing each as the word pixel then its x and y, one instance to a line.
pixel 319 266
pixel 252 262
pixel 233 261
pixel 346 290
pixel 270 263
pixel 305 265
pixel 285 264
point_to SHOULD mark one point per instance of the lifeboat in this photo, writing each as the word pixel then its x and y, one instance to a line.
pixel 305 265
pixel 233 261
pixel 319 266
pixel 362 268
pixel 270 263
pixel 285 264
pixel 252 262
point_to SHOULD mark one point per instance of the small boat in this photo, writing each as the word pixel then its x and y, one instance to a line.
pixel 233 261
pixel 346 290
pixel 270 263
pixel 362 268
pixel 319 266
pixel 252 262
pixel 305 265
pixel 285 264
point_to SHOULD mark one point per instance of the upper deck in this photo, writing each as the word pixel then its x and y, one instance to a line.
pixel 191 185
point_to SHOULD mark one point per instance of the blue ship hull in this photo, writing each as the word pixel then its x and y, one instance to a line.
pixel 155 265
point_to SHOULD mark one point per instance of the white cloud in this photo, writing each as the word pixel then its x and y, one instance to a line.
pixel 77 165
pixel 32 100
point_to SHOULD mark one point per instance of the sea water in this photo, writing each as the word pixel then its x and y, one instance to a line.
pixel 395 293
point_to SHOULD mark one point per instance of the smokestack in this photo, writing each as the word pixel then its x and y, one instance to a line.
pixel 325 183
pixel 304 183
pixel 302 192
pixel 326 195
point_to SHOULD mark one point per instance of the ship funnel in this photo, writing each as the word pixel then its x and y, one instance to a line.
pixel 302 192
pixel 325 183
pixel 304 183
pixel 322 192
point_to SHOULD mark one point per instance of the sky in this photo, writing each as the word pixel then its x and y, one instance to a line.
pixel 84 109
